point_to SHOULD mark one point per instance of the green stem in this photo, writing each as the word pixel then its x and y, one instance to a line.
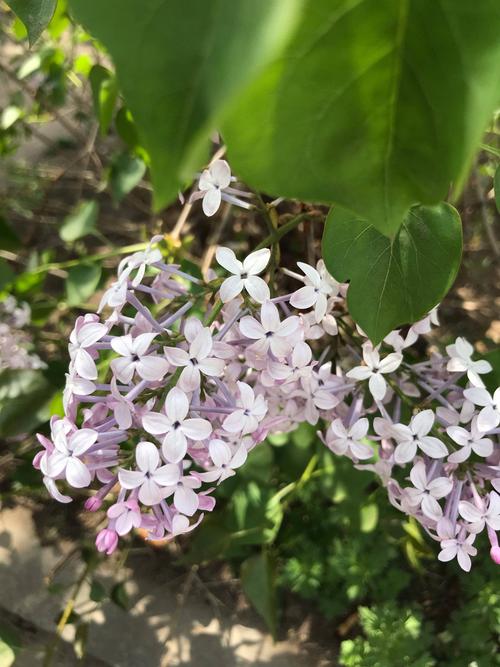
pixel 91 258
pixel 281 231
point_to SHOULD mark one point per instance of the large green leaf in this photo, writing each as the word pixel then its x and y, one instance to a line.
pixel 179 65
pixel 258 580
pixel 375 105
pixel 394 282
pixel 35 14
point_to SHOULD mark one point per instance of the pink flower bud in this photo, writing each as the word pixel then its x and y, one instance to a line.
pixel 93 504
pixel 106 541
pixel 495 555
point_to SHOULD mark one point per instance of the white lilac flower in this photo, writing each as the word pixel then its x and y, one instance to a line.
pixel 126 514
pixel 245 274
pixel 298 368
pixel 249 412
pixel 455 547
pixel 341 439
pixel 198 360
pixel 460 354
pixel 150 479
pixel 426 493
pixel 212 182
pixel 134 358
pixel 65 459
pixel 478 518
pixel 489 416
pixel 318 286
pixel 416 436
pixel 83 337
pixel 139 262
pixel 375 370
pixel 469 441
pixel 175 427
pixel 115 296
pixel 270 333
pixel 224 460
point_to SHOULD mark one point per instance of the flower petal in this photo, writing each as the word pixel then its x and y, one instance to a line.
pixel 211 201
pixel 176 405
pixel 256 261
pixel 257 289
pixel 147 456
pixel 303 298
pixel 186 500
pixel 230 288
pixel 227 259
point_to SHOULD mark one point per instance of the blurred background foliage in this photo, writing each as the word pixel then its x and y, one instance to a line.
pixel 299 532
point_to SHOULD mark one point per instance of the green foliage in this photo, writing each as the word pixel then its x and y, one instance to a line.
pixel 394 282
pixel 258 580
pixel 178 75
pixel 82 283
pixel 35 14
pixel 80 222
pixel 126 172
pixel 25 397
pixel 374 106
pixel 104 94
pixel 394 637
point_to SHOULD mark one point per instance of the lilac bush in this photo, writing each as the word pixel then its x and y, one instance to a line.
pixel 163 403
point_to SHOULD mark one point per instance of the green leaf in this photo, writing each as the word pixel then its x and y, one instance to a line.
pixel 259 585
pixel 8 237
pixel 7 275
pixel 180 70
pixel 97 591
pixel 35 14
pixel 394 282
pixel 119 596
pixel 374 106
pixel 126 172
pixel 82 282
pixel 80 222
pixel 104 94
pixel 25 399
pixel 496 186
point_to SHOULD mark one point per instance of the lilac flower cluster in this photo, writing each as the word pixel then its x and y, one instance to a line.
pixel 168 393
pixel 15 342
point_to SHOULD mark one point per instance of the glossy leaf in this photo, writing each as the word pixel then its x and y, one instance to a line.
pixel 179 69
pixel 394 282
pixel 375 106
pixel 82 282
pixel 80 222
pixel 35 14
pixel 258 582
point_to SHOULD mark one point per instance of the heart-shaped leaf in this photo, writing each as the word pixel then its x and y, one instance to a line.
pixel 375 106
pixel 35 14
pixel 394 282
pixel 180 67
